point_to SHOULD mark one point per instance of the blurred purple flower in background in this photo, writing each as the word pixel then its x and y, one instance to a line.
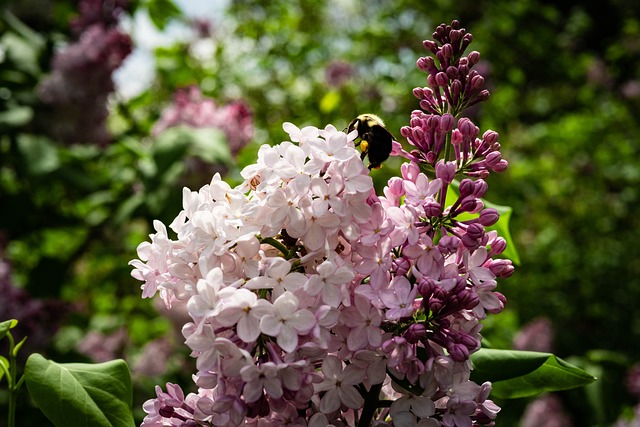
pixel 545 411
pixel 38 319
pixel 80 81
pixel 537 335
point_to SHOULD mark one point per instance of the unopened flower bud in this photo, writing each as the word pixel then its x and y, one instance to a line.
pixel 473 57
pixel 432 209
pixel 456 89
pixel 448 244
pixel 468 204
pixel 415 333
pixel 446 171
pixel 421 63
pixel 468 341
pixel 455 36
pixel 446 123
pixel 401 266
pixel 492 159
pixel 482 96
pixel 498 245
pixel 467 187
pixel 477 82
pixel 406 132
pixel 480 188
pixel 452 72
pixel 501 166
pixel 490 137
pixel 456 137
pixel 447 52
pixel 501 267
pixel 431 46
pixel 468 299
pixel 459 352
pixel 418 92
pixel 467 128
pixel 442 79
pixel 488 217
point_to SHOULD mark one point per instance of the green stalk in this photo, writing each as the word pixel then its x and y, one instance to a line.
pixel 11 380
pixel 278 245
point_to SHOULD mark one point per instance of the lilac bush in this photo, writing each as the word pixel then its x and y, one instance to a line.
pixel 315 301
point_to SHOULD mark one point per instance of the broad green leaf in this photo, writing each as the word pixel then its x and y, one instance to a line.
pixel 81 394
pixel 502 226
pixel 40 155
pixel 516 374
pixel 6 325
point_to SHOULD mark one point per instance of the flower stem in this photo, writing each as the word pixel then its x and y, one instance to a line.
pixel 370 405
pixel 276 244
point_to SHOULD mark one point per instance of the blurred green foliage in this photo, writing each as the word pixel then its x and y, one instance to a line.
pixel 565 83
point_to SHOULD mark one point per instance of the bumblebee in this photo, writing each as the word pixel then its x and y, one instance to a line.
pixel 375 139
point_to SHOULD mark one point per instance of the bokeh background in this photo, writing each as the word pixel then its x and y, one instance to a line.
pixel 108 108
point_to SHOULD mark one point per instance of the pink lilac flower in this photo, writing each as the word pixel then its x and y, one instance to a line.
pixel 191 108
pixel 311 297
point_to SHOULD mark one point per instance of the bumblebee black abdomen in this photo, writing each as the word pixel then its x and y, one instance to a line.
pixel 375 140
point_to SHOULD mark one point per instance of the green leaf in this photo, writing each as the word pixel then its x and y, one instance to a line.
pixel 16 116
pixel 161 12
pixel 502 226
pixel 81 394
pixel 516 374
pixel 4 367
pixel 40 155
pixel 6 325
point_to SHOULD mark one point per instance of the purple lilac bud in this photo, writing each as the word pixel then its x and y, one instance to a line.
pixel 448 244
pixel 446 171
pixel 488 217
pixel 498 246
pixel 467 187
pixel 415 333
pixel 458 352
pixel 432 209
pixel 401 266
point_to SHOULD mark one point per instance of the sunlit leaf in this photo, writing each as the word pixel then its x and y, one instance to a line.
pixel 80 394
pixel 6 325
pixel 516 374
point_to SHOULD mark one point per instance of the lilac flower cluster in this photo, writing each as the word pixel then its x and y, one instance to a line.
pixel 315 302
pixel 191 108
pixel 80 81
